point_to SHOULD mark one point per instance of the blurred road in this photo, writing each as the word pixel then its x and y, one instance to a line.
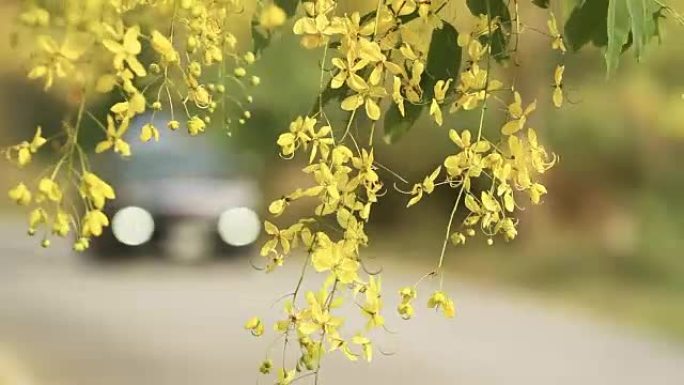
pixel 155 323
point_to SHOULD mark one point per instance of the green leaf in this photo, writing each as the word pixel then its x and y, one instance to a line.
pixel 402 19
pixel 289 6
pixel 618 29
pixel 396 125
pixel 541 3
pixel 492 7
pixel 637 13
pixel 587 23
pixel 329 94
pixel 260 38
pixel 499 39
pixel 443 62
pixel 644 15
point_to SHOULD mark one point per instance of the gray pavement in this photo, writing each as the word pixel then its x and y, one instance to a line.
pixel 69 322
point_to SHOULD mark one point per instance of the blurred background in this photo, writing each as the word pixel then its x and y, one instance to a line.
pixel 591 292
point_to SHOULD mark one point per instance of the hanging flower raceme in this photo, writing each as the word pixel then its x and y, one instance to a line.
pixel 172 62
pixel 382 69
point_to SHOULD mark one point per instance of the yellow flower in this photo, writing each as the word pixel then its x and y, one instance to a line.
pixel 285 377
pixel 93 223
pixel 300 132
pixel 26 149
pixel 518 115
pixel 272 16
pixel 536 192
pixel 555 34
pixel 317 30
pixel 405 309
pixel 55 60
pixel 60 226
pixel 373 304
pixel 200 96
pixel 336 257
pixel 277 207
pixel 283 237
pixel 149 132
pixel 133 106
pixel 347 71
pixel 407 294
pixel 196 125
pixel 322 141
pixel 507 227
pixel 249 57
pixel 469 162
pixel 96 190
pixel 428 186
pixel 326 255
pixel 440 89
pixel 81 244
pixel 20 194
pixel 540 159
pixel 440 300
pixel 38 140
pixel 366 94
pixel 266 366
pixel 474 87
pixel 370 50
pixel 397 97
pixel 347 270
pixel 366 346
pixel 164 47
pixel 127 51
pixel 457 239
pixel 558 86
pixel 50 190
pixel 436 112
pixel 317 317
pixel 255 326
pixel 114 138
pixel 336 342
pixel 37 217
pixel 23 155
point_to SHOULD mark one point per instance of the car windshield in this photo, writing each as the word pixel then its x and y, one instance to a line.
pixel 177 156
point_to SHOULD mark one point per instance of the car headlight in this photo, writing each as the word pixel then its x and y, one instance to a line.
pixel 239 226
pixel 133 226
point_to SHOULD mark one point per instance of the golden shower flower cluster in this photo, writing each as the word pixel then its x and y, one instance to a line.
pixel 179 64
pixel 383 58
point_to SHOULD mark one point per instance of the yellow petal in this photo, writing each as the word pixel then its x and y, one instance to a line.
pixel 350 103
pixel 558 97
pixel 372 109
pixel 511 127
pixel 105 83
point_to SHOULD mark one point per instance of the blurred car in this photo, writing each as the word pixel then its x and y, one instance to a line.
pixel 186 198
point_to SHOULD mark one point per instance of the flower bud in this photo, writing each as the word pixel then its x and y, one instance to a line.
pixel 154 68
